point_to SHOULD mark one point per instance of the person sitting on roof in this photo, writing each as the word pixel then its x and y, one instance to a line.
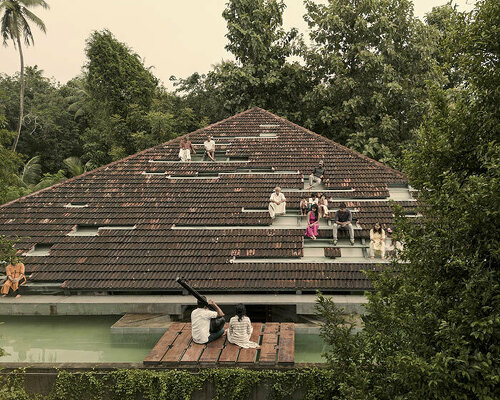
pixel 277 203
pixel 240 329
pixel 313 222
pixel 15 278
pixel 323 206
pixel 312 200
pixel 377 240
pixel 303 207
pixel 209 148
pixel 317 175
pixel 343 220
pixel 201 319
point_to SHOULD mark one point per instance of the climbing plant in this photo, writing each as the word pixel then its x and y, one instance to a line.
pixel 219 384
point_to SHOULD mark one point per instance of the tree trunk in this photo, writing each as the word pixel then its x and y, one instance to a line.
pixel 21 96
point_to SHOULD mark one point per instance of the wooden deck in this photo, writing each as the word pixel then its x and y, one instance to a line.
pixel 176 348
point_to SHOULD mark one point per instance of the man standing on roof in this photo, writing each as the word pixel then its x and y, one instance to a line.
pixel 317 175
pixel 188 148
pixel 343 220
pixel 277 203
pixel 200 322
pixel 209 147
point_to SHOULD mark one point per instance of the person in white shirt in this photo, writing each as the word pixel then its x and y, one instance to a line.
pixel 209 147
pixel 323 206
pixel 277 203
pixel 312 200
pixel 200 323
pixel 240 329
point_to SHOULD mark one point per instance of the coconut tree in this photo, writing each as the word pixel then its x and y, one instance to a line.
pixel 15 25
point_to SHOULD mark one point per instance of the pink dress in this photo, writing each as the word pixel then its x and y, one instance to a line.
pixel 312 230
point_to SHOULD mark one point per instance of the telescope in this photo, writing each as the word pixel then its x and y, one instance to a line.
pixel 195 293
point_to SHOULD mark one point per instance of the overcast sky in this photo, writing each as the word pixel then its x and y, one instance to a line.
pixel 176 37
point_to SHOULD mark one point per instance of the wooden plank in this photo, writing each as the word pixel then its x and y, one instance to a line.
pixel 268 348
pixel 247 356
pixel 286 350
pixel 212 351
pixel 229 353
pixel 193 353
pixel 271 327
pixel 180 345
pixel 162 346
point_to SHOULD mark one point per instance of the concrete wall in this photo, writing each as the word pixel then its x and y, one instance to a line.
pixel 303 304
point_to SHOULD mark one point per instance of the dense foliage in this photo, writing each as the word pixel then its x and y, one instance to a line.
pixel 363 79
pixel 227 384
pixel 433 329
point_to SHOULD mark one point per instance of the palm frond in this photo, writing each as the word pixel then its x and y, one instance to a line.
pixel 32 171
pixel 16 20
pixel 36 20
pixel 34 3
pixel 74 166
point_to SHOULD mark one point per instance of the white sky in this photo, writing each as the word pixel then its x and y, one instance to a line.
pixel 176 37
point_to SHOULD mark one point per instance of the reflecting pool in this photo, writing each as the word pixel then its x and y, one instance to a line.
pixel 61 339
pixel 70 339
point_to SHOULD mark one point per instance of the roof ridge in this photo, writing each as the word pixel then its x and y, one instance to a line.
pixel 356 153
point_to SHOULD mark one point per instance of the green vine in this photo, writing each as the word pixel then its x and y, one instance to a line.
pixel 216 384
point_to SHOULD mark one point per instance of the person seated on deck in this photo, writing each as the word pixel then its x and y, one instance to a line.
pixel 317 175
pixel 343 220
pixel 201 318
pixel 188 148
pixel 377 240
pixel 15 278
pixel 303 207
pixel 240 329
pixel 313 222
pixel 209 145
pixel 277 203
pixel 312 200
pixel 323 206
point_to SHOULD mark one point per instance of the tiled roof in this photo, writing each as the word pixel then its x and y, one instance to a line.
pixel 132 193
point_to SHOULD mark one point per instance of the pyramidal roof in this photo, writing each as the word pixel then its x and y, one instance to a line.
pixel 138 223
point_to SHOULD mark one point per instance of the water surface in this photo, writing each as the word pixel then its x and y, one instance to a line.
pixel 35 339
pixel 60 339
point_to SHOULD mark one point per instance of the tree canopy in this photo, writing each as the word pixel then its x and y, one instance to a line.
pixel 433 323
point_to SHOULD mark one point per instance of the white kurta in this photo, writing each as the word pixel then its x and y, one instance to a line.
pixel 239 332
pixel 277 208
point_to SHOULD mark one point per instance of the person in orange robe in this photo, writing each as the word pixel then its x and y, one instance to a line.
pixel 15 278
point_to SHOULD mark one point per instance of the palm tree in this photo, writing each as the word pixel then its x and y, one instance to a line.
pixel 14 24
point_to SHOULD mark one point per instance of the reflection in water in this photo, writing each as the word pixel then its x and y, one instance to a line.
pixel 70 339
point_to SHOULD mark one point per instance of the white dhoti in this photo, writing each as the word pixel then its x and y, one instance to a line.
pixel 185 154
pixel 274 208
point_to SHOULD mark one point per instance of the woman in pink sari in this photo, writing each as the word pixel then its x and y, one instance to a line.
pixel 313 222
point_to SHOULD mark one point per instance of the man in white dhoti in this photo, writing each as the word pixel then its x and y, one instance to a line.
pixel 277 203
